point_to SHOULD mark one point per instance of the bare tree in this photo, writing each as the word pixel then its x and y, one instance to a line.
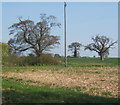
pixel 101 45
pixel 75 47
pixel 34 36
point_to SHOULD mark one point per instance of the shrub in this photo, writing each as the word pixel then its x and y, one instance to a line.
pixel 48 59
pixel 45 59
pixel 57 56
pixel 10 60
pixel 31 60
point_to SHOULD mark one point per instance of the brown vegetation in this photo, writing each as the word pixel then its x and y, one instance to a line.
pixel 96 81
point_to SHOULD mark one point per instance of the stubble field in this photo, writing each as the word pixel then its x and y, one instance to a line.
pixel 85 80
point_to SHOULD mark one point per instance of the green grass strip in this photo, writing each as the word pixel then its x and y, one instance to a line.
pixel 16 92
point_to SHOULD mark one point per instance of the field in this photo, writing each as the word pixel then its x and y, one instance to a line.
pixel 85 80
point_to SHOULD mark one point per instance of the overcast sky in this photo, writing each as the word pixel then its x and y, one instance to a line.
pixel 84 20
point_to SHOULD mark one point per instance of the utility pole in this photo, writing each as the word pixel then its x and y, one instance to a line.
pixel 65 33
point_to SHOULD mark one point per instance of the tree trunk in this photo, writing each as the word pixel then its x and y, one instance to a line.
pixel 38 53
pixel 75 53
pixel 101 57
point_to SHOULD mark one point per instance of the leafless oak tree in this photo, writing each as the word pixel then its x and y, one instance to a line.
pixel 36 37
pixel 101 45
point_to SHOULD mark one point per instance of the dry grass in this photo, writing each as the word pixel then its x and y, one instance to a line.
pixel 96 81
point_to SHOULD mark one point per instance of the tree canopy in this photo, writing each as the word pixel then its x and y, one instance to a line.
pixel 75 47
pixel 5 49
pixel 101 45
pixel 32 36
